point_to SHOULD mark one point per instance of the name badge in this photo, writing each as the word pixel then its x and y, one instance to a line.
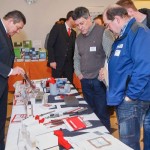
pixel 117 53
pixel 92 49
pixel 120 46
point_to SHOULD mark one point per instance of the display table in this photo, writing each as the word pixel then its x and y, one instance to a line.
pixel 92 137
pixel 35 70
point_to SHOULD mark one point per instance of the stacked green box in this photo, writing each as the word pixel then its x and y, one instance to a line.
pixel 27 44
pixel 17 52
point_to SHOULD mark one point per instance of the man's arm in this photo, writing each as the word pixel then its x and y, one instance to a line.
pixel 77 63
pixel 51 42
pixel 7 71
pixel 107 41
pixel 140 54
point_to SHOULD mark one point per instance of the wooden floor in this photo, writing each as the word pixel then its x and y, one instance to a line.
pixel 113 119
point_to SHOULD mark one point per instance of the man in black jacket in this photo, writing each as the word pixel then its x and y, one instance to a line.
pixel 146 12
pixel 60 48
pixel 10 24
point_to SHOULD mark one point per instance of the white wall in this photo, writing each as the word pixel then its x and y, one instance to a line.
pixel 142 3
pixel 42 15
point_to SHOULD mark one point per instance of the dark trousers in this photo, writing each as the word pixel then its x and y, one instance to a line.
pixel 3 113
pixel 94 93
pixel 65 72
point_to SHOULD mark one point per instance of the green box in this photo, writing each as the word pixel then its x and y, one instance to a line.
pixel 27 44
pixel 17 44
pixel 17 52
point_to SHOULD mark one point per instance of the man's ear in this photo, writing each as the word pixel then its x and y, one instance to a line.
pixel 89 18
pixel 117 19
pixel 130 12
pixel 11 20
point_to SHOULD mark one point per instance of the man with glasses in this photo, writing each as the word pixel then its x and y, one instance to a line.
pixel 129 73
pixel 89 57
pixel 10 24
pixel 143 16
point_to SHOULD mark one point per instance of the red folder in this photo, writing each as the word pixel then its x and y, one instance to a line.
pixel 75 123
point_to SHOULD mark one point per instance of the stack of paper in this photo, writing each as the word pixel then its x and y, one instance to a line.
pixel 47 141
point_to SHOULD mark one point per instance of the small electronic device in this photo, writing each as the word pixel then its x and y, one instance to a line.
pixel 28 80
pixel 39 97
pixel 71 101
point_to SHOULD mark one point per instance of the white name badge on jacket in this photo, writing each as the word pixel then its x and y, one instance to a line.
pixel 117 53
pixel 92 49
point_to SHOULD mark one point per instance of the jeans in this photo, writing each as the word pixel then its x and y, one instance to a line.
pixel 94 93
pixel 131 116
pixel 146 125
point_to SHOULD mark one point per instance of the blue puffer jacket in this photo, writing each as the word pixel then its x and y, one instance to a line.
pixel 129 65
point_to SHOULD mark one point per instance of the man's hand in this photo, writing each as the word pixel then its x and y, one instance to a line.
pixel 53 65
pixel 101 76
pixel 80 77
pixel 17 71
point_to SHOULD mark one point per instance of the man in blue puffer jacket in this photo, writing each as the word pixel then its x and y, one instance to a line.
pixel 143 16
pixel 129 73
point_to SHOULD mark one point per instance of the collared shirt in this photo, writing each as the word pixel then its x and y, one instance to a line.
pixel 67 27
pixel 4 25
pixel 124 28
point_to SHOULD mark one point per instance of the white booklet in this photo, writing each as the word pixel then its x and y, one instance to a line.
pixel 105 71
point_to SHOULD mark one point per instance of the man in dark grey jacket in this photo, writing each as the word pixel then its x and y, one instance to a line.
pixel 89 57
pixel 10 24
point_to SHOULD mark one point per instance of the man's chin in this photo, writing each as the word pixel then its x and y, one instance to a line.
pixel 83 32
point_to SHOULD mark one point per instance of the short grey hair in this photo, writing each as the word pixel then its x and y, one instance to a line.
pixel 80 12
